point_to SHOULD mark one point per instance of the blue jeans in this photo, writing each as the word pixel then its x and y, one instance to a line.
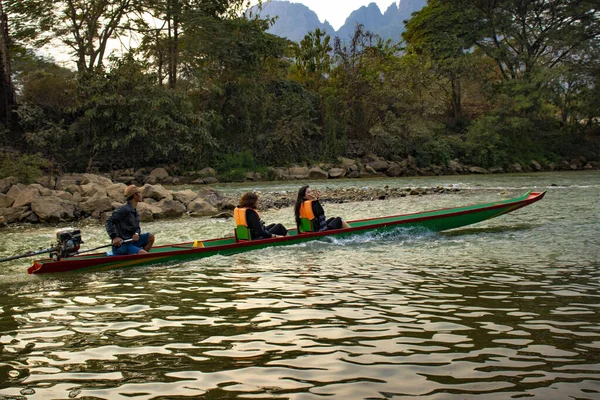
pixel 132 247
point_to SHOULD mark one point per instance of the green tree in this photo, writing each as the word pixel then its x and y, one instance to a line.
pixel 84 26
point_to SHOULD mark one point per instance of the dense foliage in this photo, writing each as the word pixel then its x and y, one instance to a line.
pixel 489 82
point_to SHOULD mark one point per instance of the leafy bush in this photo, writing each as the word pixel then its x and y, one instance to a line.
pixel 26 167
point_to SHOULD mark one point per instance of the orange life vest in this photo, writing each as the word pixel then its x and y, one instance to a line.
pixel 306 210
pixel 239 214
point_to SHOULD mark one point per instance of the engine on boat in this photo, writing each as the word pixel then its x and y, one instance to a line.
pixel 68 243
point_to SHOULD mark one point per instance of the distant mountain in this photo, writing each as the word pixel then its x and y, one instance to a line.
pixel 296 20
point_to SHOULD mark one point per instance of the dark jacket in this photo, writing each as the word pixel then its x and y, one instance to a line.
pixel 256 226
pixel 319 223
pixel 124 222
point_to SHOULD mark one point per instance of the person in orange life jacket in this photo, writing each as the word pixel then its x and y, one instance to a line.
pixel 247 208
pixel 308 206
pixel 124 224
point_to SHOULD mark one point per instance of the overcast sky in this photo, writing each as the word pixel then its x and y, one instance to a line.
pixel 336 11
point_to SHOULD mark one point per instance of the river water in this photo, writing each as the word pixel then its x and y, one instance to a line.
pixel 509 308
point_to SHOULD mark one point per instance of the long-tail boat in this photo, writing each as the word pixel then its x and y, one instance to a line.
pixel 436 220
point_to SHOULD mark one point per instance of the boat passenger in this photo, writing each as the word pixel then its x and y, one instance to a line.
pixel 124 225
pixel 245 214
pixel 310 210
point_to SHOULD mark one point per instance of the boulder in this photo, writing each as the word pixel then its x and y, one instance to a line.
pixel 317 173
pixel 347 163
pixel 379 165
pixel 185 196
pixel 588 166
pixel 63 195
pixel 52 210
pixel 6 201
pixel 369 170
pixel 67 180
pixel 148 211
pixel 26 196
pixel 353 174
pixel 335 173
pixel 396 170
pixel 151 180
pixel 116 191
pixel 92 178
pixel 370 158
pixel 160 173
pixel 6 183
pixel 516 167
pixel 496 170
pixel 156 192
pixel 478 170
pixel 92 189
pixel 575 164
pixel 47 181
pixel 170 208
pixel 455 167
pixel 199 208
pixel 206 172
pixel 210 195
pixel 126 179
pixel 209 180
pixel 98 202
pixel 299 172
pixel 14 214
pixel 535 165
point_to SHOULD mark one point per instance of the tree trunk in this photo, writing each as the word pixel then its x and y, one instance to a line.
pixel 7 91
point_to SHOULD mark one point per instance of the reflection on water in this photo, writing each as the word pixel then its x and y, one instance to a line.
pixel 504 309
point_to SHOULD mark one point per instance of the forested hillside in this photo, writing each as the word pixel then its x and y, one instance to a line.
pixel 485 82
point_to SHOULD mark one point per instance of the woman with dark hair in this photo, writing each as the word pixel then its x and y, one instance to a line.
pixel 310 216
pixel 245 214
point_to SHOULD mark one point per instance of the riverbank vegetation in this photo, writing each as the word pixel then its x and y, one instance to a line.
pixel 486 83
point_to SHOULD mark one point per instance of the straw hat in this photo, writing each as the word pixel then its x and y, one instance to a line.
pixel 131 190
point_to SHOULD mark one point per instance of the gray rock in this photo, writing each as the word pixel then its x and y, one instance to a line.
pixel 206 172
pixel 478 170
pixel 516 167
pixel 170 208
pixel 92 189
pixel 535 165
pixel 353 174
pixel 53 210
pixel 99 203
pixel 26 196
pixel 6 183
pixel 317 173
pixel 156 192
pixel 199 207
pixel 116 191
pixel 299 173
pixel 159 173
pixel 185 196
pixel 92 178
pixel 335 173
pixel 455 166
pixel 209 180
pixel 148 211
pixel 396 170
pixel 496 170
pixel 14 214
pixel 126 179
pixel 6 201
pixel 379 165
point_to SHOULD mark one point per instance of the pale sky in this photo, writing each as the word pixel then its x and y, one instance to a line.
pixel 336 11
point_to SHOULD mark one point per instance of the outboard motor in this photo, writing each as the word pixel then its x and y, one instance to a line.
pixel 68 243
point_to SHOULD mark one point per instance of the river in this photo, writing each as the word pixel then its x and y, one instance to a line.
pixel 508 308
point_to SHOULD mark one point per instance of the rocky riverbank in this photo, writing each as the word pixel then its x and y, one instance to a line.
pixel 88 196
pixel 345 168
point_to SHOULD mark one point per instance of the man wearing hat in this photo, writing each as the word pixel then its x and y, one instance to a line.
pixel 124 225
